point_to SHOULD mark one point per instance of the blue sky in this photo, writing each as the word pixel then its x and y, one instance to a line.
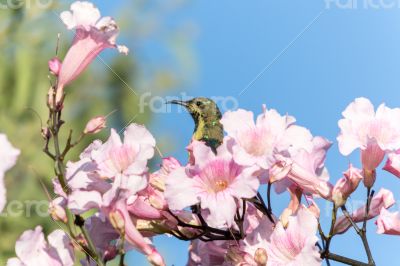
pixel 317 59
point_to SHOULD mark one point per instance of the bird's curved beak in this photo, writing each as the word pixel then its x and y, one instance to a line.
pixel 183 103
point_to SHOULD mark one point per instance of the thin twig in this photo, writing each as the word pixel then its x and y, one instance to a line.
pixel 350 219
pixel 364 228
pixel 345 260
pixel 269 204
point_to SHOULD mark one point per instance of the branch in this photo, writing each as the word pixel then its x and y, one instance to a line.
pixel 207 233
pixel 326 254
pixel 269 197
pixel 364 228
pixel 54 124
pixel 344 260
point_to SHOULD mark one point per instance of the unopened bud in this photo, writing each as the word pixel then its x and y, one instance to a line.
pixel 155 259
pixel 110 253
pixel 45 133
pixel 54 66
pixel 54 102
pixel 60 95
pixel 95 125
pixel 261 257
pixel 285 217
pixel 80 241
pixel 144 225
pixel 117 221
pixel 346 185
pixel 57 212
pixel 157 202
pixel 50 98
pixel 157 181
pixel 369 177
pixel 235 256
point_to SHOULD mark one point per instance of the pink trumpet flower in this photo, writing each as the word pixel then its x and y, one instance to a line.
pixel 293 244
pixel 32 249
pixel 93 34
pixel 306 169
pixel 257 142
pixel 125 162
pixel 375 133
pixel 215 181
pixel 383 200
pixel 388 223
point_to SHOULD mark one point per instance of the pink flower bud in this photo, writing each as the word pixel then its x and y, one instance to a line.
pixel 393 163
pixel 346 185
pixel 157 201
pixel 54 66
pixel 261 257
pixel 57 212
pixel 155 258
pixel 234 255
pixel 284 218
pixel 110 253
pixel 45 133
pixel 95 125
pixel 369 177
pixel 117 221
pixel 59 98
pixel 50 98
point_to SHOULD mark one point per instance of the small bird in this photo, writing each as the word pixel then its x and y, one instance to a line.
pixel 206 116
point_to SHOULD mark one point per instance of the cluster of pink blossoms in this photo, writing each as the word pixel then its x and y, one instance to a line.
pixel 215 199
pixel 135 204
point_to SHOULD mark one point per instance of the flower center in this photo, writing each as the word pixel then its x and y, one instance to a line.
pixel 220 185
pixel 218 175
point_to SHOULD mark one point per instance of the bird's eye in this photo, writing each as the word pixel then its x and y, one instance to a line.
pixel 199 104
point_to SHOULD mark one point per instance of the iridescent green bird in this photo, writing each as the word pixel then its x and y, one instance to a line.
pixel 206 116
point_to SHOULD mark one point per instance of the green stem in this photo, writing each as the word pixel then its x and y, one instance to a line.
pixel 54 124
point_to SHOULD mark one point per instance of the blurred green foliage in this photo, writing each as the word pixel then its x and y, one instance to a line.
pixel 161 60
